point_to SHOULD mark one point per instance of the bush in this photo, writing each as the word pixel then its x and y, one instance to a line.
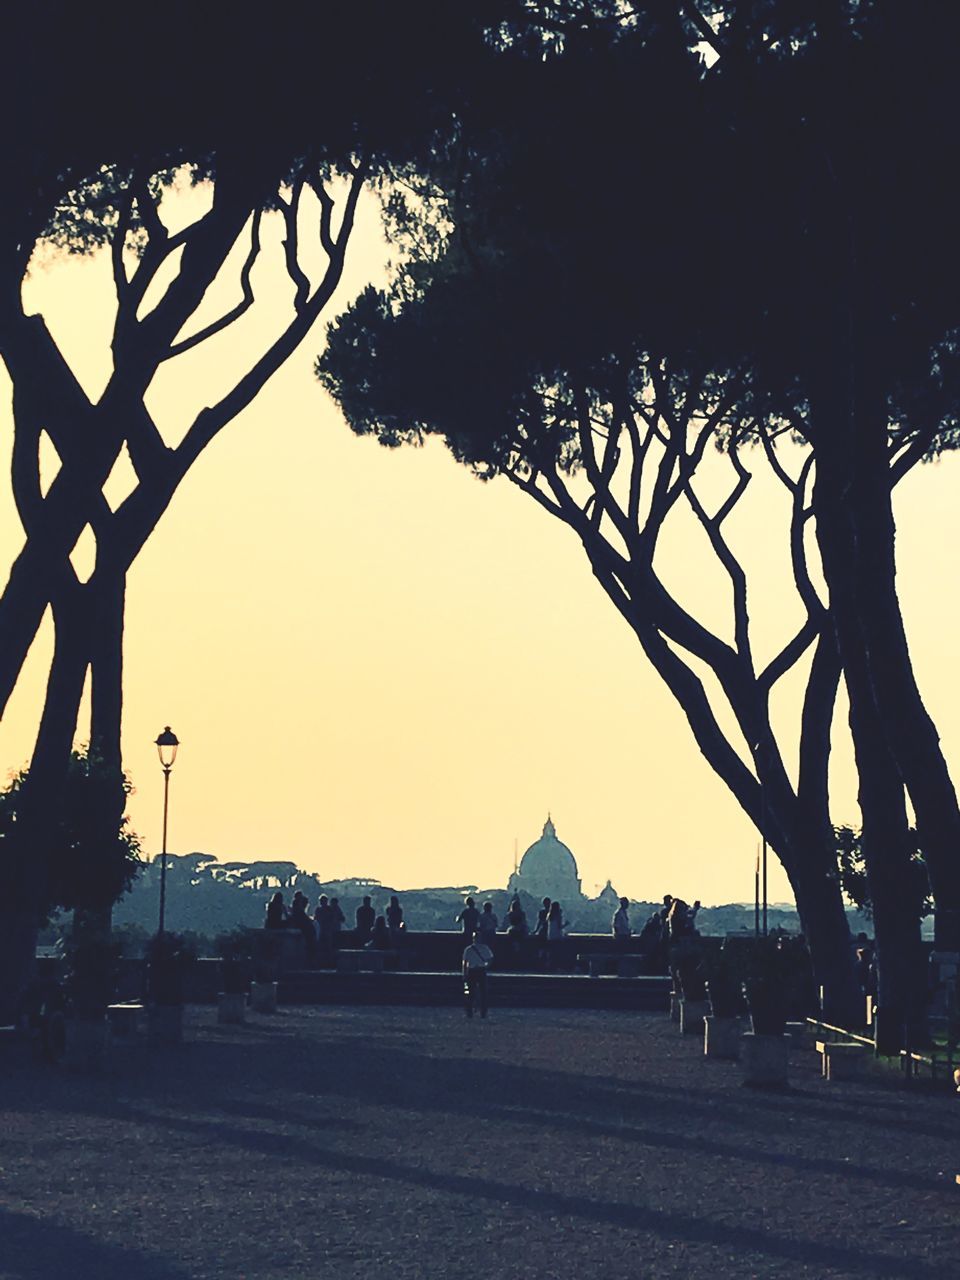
pixel 724 983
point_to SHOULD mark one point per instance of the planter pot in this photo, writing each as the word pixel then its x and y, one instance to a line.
pixel 165 1023
pixel 674 1007
pixel 263 997
pixel 721 1037
pixel 763 1060
pixel 231 1007
pixel 692 1014
pixel 86 1043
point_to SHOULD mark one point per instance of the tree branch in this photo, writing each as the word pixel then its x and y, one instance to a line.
pixel 291 252
pixel 244 305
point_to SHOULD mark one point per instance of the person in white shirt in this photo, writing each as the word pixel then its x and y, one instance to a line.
pixel 477 958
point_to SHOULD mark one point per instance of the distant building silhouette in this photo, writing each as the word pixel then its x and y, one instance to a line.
pixel 548 869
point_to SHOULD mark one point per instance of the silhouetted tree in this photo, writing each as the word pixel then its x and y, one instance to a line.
pixel 282 122
pixel 831 317
pixel 92 860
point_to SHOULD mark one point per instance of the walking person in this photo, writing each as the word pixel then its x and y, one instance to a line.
pixel 477 958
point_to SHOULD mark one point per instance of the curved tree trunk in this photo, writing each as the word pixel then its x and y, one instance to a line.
pixel 856 534
pixel 26 864
pixel 856 566
pixel 797 830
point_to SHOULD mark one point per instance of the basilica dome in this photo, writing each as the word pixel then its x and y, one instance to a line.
pixel 548 868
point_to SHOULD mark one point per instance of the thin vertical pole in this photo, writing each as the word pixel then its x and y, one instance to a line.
pixel 764 886
pixel 756 899
pixel 163 855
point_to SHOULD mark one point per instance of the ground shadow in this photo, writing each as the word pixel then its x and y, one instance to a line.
pixel 37 1249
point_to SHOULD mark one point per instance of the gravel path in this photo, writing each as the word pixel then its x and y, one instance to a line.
pixel 389 1143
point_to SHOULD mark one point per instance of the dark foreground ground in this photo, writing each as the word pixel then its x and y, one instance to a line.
pixel 382 1143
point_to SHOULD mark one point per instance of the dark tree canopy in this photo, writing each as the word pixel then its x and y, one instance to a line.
pixel 774 219
pixel 92 861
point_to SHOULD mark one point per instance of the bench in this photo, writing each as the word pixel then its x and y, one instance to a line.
pixel 124 1018
pixel 364 961
pixel 841 1059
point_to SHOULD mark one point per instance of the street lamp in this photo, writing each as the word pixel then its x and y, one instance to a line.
pixel 761 864
pixel 167 744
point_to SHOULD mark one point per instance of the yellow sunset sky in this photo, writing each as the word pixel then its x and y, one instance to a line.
pixel 378 665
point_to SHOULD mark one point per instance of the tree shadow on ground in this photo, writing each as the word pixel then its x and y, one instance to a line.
pixel 480 1090
pixel 34 1248
pixel 669 1225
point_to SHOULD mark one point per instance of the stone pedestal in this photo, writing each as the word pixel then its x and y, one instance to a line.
pixel 165 1023
pixel 232 1007
pixel 841 1060
pixel 763 1060
pixel 263 997
pixel 721 1037
pixel 86 1041
pixel 692 1014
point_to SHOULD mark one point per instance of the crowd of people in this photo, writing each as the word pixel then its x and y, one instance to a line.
pixel 384 930
pixel 321 930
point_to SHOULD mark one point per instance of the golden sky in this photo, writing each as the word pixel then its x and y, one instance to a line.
pixel 378 665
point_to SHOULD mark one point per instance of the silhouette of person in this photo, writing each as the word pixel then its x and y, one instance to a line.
pixel 679 922
pixel 380 937
pixel 540 932
pixel 469 918
pixel 298 919
pixel 516 929
pixel 337 921
pixel 555 928
pixel 477 958
pixel 621 924
pixel 488 924
pixel 276 917
pixel 394 917
pixel 323 921
pixel 517 919
pixel 365 918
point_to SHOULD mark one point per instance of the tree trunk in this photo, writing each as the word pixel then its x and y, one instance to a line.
pixel 857 539
pixel 798 831
pixel 24 901
pixel 93 925
pixel 823 918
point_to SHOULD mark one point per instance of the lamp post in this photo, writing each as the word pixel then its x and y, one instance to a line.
pixel 167 743
pixel 762 857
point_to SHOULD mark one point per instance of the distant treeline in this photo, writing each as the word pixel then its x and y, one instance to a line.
pixel 206 897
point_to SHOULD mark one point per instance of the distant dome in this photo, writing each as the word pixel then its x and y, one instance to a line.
pixel 547 868
pixel 608 894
